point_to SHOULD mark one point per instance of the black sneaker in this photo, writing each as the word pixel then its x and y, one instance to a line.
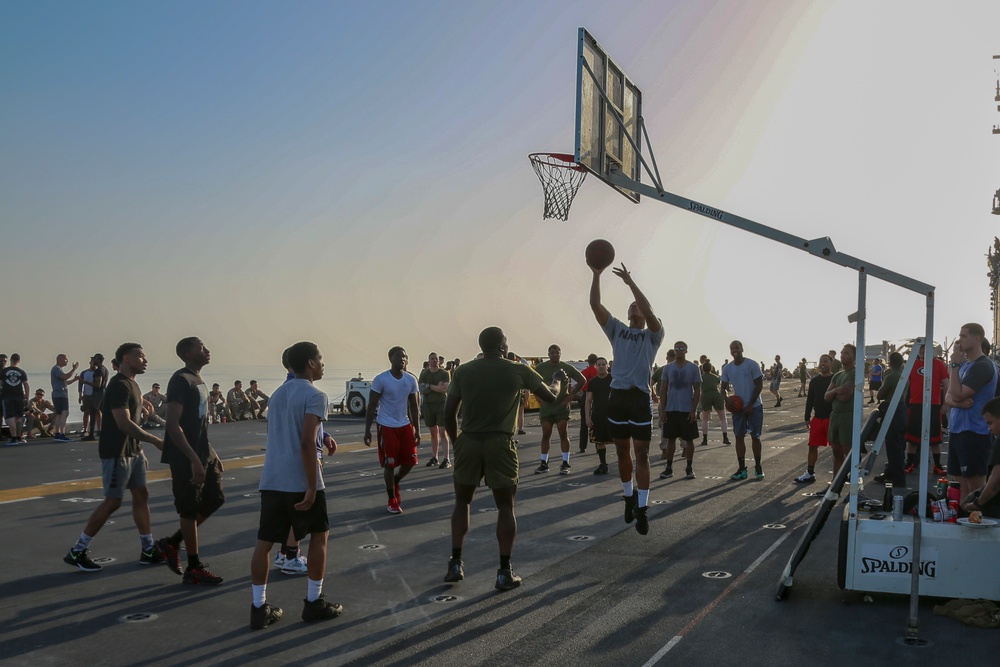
pixel 150 557
pixel 725 439
pixel 602 469
pixel 201 575
pixel 320 610
pixel 689 474
pixel 543 466
pixel 81 560
pixel 641 521
pixel 667 473
pixel 506 580
pixel 445 464
pixel 171 556
pixel 630 504
pixel 704 440
pixel 565 468
pixel 88 438
pixel 433 462
pixel 261 617
pixel 455 571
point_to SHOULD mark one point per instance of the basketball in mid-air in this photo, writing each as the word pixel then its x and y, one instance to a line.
pixel 734 404
pixel 600 254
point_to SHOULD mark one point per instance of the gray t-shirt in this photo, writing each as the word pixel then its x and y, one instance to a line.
pixel 680 385
pixel 286 412
pixel 633 351
pixel 741 378
pixel 59 388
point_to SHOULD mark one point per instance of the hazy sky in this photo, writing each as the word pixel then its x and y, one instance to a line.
pixel 355 173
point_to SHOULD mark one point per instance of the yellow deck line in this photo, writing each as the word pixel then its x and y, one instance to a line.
pixel 57 488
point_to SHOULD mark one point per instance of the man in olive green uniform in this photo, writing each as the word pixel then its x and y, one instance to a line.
pixel 488 391
pixel 557 413
pixel 841 395
pixel 433 383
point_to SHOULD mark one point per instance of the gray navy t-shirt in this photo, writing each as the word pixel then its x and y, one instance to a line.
pixel 286 412
pixel 633 351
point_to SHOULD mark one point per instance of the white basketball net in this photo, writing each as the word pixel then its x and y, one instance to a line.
pixel 561 177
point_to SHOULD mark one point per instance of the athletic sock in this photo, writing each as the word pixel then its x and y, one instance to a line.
pixel 504 562
pixel 457 553
pixel 602 454
pixel 315 590
pixel 291 553
pixel 565 457
pixel 83 543
pixel 742 462
pixel 670 464
pixel 756 463
pixel 911 459
pixel 259 594
pixel 176 539
pixel 193 561
pixel 545 458
pixel 627 487
pixel 147 542
pixel 811 470
pixel 643 497
pixel 937 459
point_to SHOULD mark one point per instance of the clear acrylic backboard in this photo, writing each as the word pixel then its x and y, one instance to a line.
pixel 600 138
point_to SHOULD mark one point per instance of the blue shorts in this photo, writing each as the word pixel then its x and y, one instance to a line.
pixel 61 404
pixel 755 422
pixel 968 454
pixel 127 472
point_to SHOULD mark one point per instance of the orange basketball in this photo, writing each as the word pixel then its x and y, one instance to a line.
pixel 600 254
pixel 734 404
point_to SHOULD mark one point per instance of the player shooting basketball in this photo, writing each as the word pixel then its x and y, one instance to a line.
pixel 630 418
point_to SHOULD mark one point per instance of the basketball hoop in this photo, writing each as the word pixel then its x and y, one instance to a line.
pixel 561 177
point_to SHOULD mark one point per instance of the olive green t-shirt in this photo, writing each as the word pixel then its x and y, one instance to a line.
pixel 709 384
pixel 839 380
pixel 490 391
pixel 434 377
pixel 889 382
pixel 547 369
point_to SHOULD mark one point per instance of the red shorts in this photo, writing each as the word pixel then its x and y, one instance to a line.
pixel 817 432
pixel 397 446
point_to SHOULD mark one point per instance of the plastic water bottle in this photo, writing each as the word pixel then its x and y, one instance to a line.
pixel 942 487
pixel 887 498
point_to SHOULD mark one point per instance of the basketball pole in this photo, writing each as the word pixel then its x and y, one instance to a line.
pixel 824 249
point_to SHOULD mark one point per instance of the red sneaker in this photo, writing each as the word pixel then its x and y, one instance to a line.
pixel 394 507
pixel 910 468
pixel 938 470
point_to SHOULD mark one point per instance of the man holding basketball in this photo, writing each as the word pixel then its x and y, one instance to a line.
pixel 630 414
pixel 747 381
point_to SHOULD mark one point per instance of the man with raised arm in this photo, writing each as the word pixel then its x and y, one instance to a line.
pixel 630 416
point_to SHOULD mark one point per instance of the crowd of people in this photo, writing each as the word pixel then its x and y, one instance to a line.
pixel 31 416
pixel 487 396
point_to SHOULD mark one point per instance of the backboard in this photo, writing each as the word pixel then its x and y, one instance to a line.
pixel 601 140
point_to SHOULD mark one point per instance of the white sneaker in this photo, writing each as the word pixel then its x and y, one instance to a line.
pixel 295 565
pixel 805 478
pixel 279 560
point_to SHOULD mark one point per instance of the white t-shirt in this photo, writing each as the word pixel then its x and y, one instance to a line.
pixel 286 412
pixel 395 393
pixel 634 351
pixel 741 378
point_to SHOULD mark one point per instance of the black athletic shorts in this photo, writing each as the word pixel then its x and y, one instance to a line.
pixel 630 415
pixel 278 515
pixel 915 421
pixel 191 500
pixel 13 408
pixel 679 425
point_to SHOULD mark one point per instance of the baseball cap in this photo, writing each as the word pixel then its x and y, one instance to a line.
pixel 98 357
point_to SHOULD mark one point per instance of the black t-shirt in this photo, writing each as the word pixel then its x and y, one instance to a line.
pixel 100 373
pixel 600 387
pixel 187 388
pixel 815 401
pixel 13 379
pixel 122 392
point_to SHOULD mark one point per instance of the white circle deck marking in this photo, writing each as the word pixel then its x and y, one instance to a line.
pixel 712 477
pixel 138 617
pixel 716 574
pixel 774 526
pixel 580 538
pixel 371 547
pixel 659 502
pixel 444 598
pixel 416 489
pixel 101 560
pixel 576 484
pixel 488 509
